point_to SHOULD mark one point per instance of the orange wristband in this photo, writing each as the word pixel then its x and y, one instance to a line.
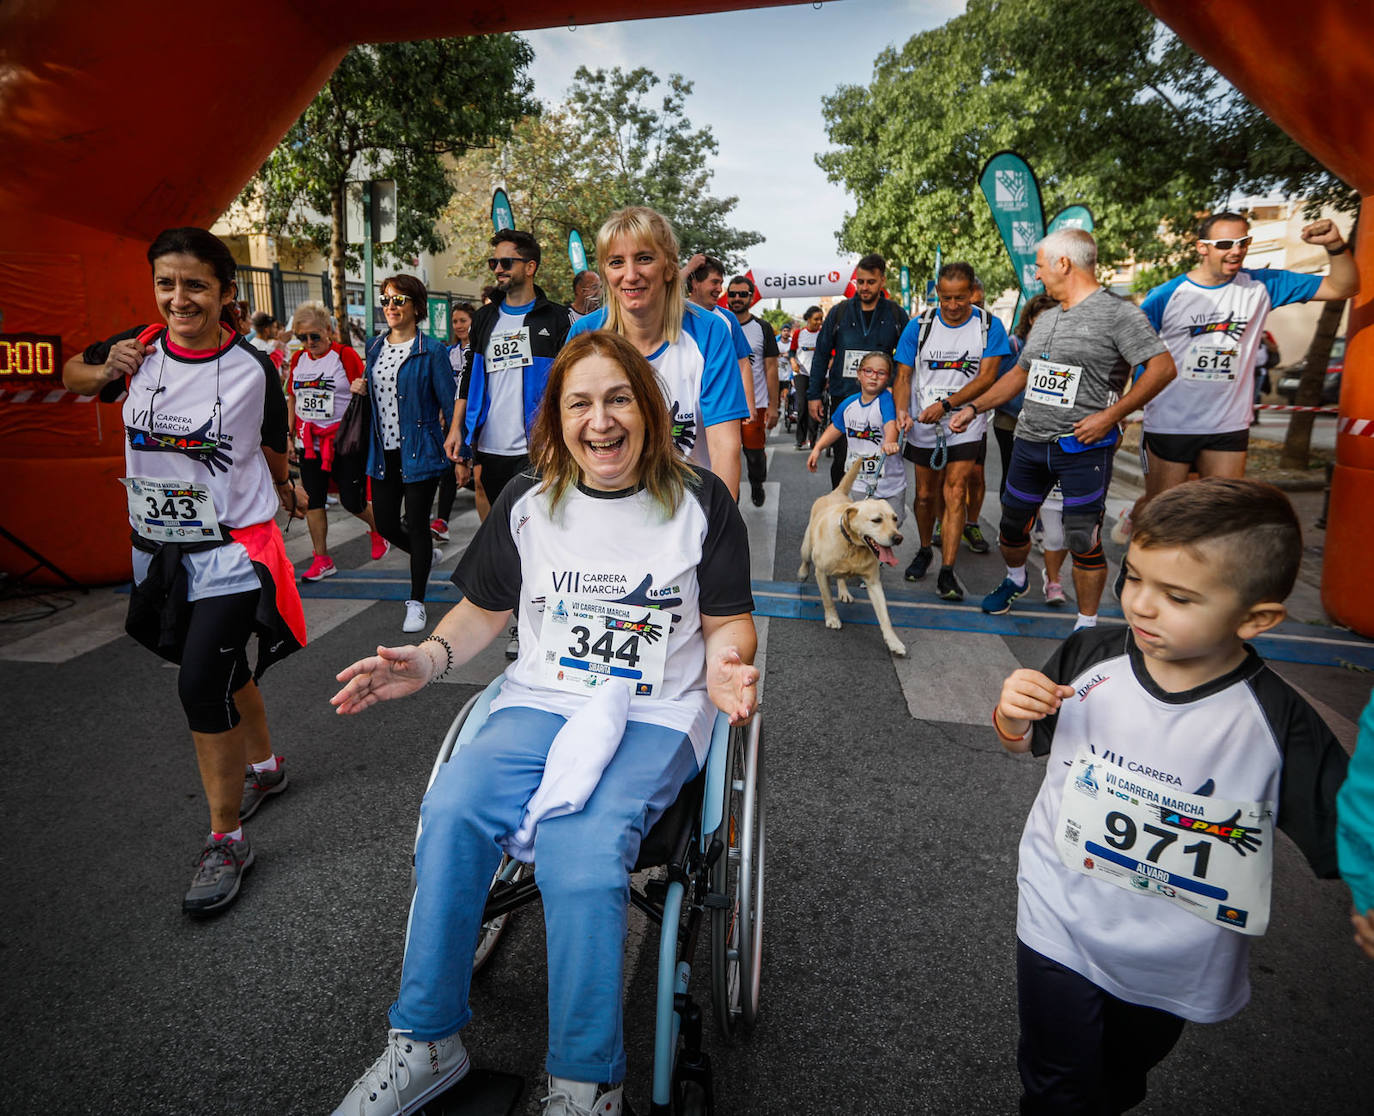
pixel 1002 736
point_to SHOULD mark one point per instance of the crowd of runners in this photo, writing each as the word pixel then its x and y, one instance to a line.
pixel 608 443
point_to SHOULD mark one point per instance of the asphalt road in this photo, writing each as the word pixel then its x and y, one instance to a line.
pixel 889 979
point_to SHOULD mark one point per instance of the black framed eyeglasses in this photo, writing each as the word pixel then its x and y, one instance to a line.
pixel 505 263
pixel 394 300
pixel 1226 245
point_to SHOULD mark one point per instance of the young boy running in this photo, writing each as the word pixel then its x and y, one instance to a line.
pixel 1173 751
pixel 868 419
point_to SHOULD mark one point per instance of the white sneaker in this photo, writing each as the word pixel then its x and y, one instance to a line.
pixel 582 1098
pixel 408 1073
pixel 436 557
pixel 415 617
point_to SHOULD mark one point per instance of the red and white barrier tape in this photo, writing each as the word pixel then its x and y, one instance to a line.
pixel 1356 428
pixel 1309 410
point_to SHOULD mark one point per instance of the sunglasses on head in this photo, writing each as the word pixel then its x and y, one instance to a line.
pixel 310 337
pixel 394 300
pixel 505 263
pixel 1226 245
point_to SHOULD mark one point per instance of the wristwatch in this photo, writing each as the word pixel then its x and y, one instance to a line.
pixel 945 404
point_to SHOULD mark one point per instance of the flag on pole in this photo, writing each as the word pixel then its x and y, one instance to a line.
pixel 501 215
pixel 1013 195
pixel 577 254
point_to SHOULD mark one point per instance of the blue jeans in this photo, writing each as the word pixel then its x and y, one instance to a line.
pixel 582 865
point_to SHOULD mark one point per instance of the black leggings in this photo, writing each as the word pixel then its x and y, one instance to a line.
pixel 214 660
pixel 418 496
pixel 348 475
pixel 448 492
pixel 801 384
pixel 1004 440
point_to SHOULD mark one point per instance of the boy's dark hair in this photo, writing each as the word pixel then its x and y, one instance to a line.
pixel 524 243
pixel 872 262
pixel 709 266
pixel 812 310
pixel 1252 523
pixel 262 320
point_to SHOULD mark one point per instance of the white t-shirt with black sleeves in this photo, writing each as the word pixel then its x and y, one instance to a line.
pixel 804 348
pixel 385 369
pixel 1213 334
pixel 1246 736
pixel 615 546
pixel 763 343
pixel 204 418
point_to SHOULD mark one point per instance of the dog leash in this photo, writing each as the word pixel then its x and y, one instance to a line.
pixel 869 489
pixel 940 457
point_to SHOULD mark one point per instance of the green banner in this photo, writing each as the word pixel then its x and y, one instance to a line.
pixel 501 215
pixel 1014 197
pixel 1073 217
pixel 438 317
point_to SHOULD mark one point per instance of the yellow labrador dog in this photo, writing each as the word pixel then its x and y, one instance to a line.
pixel 847 538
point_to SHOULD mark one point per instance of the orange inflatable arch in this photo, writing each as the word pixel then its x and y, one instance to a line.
pixel 110 132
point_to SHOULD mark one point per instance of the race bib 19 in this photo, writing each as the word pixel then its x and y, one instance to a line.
pixel 509 350
pixel 585 642
pixel 171 511
pixel 315 404
pixel 1055 385
pixel 1210 856
pixel 1212 357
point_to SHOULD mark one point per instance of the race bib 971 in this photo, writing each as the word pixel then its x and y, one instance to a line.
pixel 1210 856
pixel 585 642
pixel 171 511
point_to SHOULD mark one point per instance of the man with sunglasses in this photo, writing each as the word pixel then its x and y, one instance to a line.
pixel 512 345
pixel 1212 319
pixel 763 383
pixel 704 277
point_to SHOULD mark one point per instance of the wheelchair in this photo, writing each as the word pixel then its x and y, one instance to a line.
pixel 710 845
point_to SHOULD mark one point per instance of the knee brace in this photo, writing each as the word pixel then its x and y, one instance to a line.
pixel 1014 530
pixel 1083 535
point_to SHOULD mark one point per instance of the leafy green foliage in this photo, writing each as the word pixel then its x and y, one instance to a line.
pixel 1107 105
pixel 775 316
pixel 612 143
pixel 391 110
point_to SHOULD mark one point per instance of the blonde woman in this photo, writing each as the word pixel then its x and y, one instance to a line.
pixel 690 348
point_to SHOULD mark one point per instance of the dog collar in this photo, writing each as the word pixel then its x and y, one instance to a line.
pixel 847 537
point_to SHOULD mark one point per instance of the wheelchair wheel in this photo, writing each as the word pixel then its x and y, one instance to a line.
pixel 737 925
pixel 509 871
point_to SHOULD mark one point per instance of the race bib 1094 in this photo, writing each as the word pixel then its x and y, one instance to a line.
pixel 585 642
pixel 1210 856
pixel 1055 385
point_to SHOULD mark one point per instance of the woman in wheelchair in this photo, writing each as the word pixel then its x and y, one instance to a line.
pixel 630 570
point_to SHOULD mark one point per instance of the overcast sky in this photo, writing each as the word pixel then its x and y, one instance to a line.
pixel 758 77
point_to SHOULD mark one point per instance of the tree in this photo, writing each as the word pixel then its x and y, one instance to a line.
pixel 776 316
pixel 658 158
pixel 1107 105
pixel 557 178
pixel 391 110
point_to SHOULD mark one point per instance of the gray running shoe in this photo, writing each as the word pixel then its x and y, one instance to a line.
pixel 257 785
pixel 219 871
pixel 409 1072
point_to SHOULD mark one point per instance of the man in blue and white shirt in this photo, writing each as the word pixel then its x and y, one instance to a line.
pixel 1212 319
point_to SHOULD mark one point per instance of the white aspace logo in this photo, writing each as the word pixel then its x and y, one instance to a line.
pixel 1023 236
pixel 1009 189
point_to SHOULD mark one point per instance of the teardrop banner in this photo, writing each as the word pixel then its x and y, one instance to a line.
pixel 577 254
pixel 501 215
pixel 1072 217
pixel 1013 195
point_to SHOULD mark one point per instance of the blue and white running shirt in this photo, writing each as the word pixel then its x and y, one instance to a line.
pixel 699 375
pixel 862 424
pixel 1213 334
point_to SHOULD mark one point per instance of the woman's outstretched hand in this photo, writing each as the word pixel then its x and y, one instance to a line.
pixel 732 685
pixel 394 672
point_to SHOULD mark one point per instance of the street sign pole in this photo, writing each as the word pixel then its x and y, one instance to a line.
pixel 369 301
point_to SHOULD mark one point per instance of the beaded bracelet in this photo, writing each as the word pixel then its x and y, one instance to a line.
pixel 448 651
